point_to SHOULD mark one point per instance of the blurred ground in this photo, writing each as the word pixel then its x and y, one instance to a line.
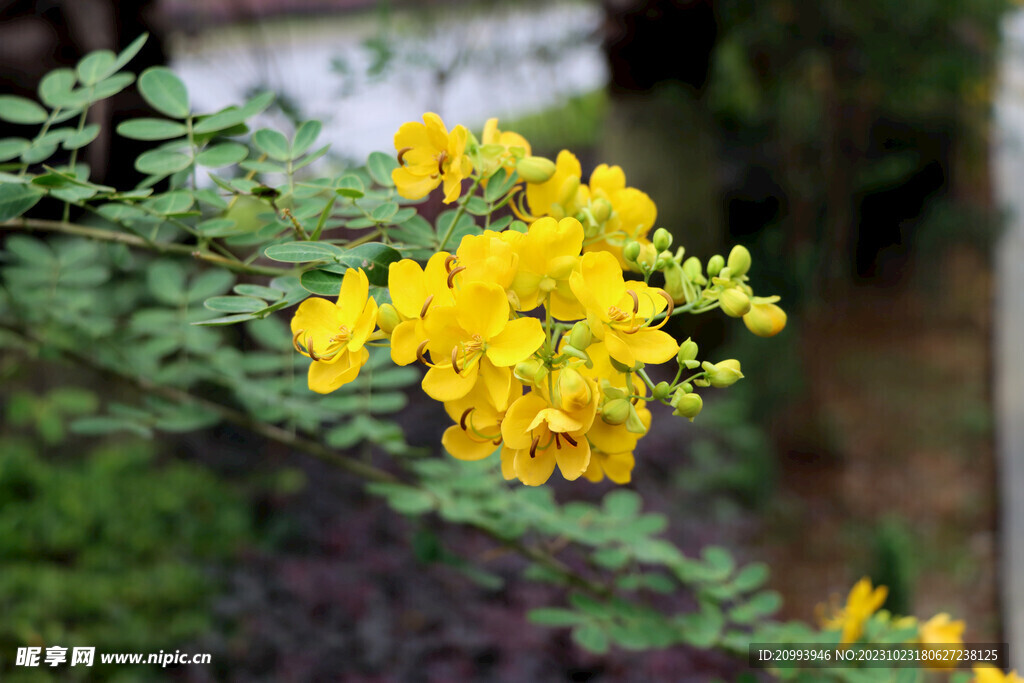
pixel 899 396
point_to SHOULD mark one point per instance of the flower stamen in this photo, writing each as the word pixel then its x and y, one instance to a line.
pixel 533 446
pixel 401 155
pixel 419 351
pixel 426 305
pixel 451 275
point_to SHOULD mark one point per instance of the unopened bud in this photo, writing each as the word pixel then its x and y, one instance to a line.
pixel 674 281
pixel 581 336
pixel 687 405
pixel 631 252
pixel 530 371
pixel 739 261
pixel 387 318
pixel 765 320
pixel 574 389
pixel 535 169
pixel 600 209
pixel 723 374
pixel 662 239
pixel 634 424
pixel 616 411
pixel 692 268
pixel 662 263
pixel 661 391
pixel 567 193
pixel 715 265
pixel 687 350
pixel 734 303
pixel 648 255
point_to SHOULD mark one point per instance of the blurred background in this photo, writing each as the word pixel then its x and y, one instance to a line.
pixel 866 153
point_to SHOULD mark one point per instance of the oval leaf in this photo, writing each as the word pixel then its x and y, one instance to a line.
pixel 235 304
pixel 160 163
pixel 151 129
pixel 380 166
pixel 321 282
pixel 224 154
pixel 272 143
pixel 20 110
pixel 305 136
pixel 55 89
pixel 81 138
pixel 303 252
pixel 96 66
pixel 16 199
pixel 164 92
pixel 12 147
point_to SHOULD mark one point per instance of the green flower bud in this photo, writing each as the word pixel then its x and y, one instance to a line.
pixel 734 303
pixel 739 261
pixel 723 374
pixel 581 336
pixel 601 209
pixel 686 387
pixel 662 239
pixel 648 255
pixel 674 281
pixel 701 383
pixel 662 263
pixel 530 371
pixel 621 367
pixel 634 424
pixel 616 411
pixel 661 391
pixel 692 268
pixel 687 350
pixel 535 169
pixel 387 318
pixel 715 265
pixel 631 252
pixel 687 405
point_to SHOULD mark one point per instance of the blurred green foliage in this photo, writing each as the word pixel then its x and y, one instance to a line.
pixel 111 550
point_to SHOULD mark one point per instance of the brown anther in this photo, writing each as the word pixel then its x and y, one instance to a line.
pixel 295 340
pixel 440 161
pixel 401 155
pixel 570 440
pixel 671 304
pixel 426 304
pixel 462 420
pixel 455 360
pixel 309 348
pixel 452 274
pixel 448 263
pixel 558 444
pixel 533 446
pixel 419 351
pixel 636 301
pixel 497 442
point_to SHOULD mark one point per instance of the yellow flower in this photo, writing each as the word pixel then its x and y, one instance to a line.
pixel 547 255
pixel 633 212
pixel 333 335
pixel 429 155
pixel 861 603
pixel 941 630
pixel 477 432
pixel 765 319
pixel 557 195
pixel 986 673
pixel 539 436
pixel 611 449
pixel 475 338
pixel 414 291
pixel 503 146
pixel 620 313
pixel 490 257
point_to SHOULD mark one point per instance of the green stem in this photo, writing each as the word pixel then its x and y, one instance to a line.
pixel 458 214
pixel 73 160
pixel 33 224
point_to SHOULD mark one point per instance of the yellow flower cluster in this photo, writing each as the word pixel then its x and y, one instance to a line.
pixel 534 340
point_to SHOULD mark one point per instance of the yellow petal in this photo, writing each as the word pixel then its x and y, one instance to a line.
pixel 363 325
pixel 482 308
pixel 324 378
pixel 533 471
pixel 404 340
pixel 508 467
pixel 444 384
pixel 436 130
pixel 573 460
pixel 594 472
pixel 408 287
pixel 619 467
pixel 618 348
pixel 413 186
pixel 318 318
pixel 497 383
pixel 600 284
pixel 515 428
pixel 651 346
pixel 355 288
pixel 517 342
pixel 557 421
pixel 607 179
pixel 464 447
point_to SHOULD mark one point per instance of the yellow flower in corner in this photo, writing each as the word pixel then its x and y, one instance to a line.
pixel 333 335
pixel 861 603
pixel 984 673
pixel 429 155
pixel 620 313
pixel 941 630
pixel 414 291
